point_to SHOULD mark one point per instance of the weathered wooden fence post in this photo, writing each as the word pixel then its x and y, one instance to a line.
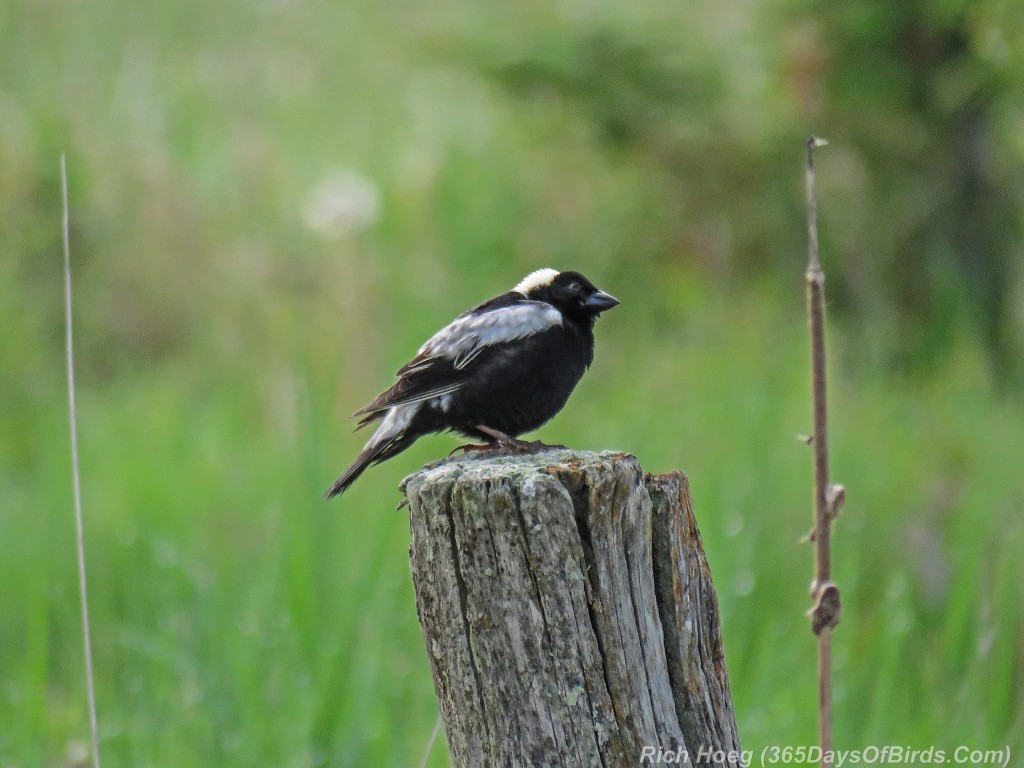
pixel 569 613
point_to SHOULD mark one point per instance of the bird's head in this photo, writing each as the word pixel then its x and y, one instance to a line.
pixel 570 292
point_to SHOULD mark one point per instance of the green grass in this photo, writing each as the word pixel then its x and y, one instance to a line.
pixel 238 619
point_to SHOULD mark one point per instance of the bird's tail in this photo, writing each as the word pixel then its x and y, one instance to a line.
pixel 349 476
pixel 392 437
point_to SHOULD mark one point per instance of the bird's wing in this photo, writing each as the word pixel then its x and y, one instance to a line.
pixel 442 364
pixel 431 378
pixel 469 334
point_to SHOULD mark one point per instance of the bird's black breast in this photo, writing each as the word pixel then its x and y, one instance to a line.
pixel 516 387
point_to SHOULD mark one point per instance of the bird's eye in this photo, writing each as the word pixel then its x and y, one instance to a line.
pixel 574 287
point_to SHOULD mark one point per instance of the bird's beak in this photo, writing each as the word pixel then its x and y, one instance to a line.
pixel 600 301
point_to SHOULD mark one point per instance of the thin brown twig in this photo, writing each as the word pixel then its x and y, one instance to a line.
pixel 827 499
pixel 73 419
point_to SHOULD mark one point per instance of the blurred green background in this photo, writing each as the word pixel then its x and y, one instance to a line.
pixel 275 202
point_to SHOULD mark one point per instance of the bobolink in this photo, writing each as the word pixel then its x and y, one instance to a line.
pixel 501 369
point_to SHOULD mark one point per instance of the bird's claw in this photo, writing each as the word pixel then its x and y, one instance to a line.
pixel 471 447
pixel 503 442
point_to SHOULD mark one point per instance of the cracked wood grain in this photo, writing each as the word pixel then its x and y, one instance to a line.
pixel 568 611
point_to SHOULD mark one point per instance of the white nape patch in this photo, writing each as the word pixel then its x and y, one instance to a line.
pixel 466 337
pixel 536 280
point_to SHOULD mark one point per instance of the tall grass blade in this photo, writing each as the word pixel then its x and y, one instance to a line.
pixel 73 419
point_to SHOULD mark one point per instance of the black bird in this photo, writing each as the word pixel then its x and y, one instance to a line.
pixel 501 369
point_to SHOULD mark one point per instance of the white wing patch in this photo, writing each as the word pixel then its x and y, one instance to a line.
pixel 444 402
pixel 467 336
pixel 536 280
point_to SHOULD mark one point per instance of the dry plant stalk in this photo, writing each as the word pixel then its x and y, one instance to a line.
pixel 827 497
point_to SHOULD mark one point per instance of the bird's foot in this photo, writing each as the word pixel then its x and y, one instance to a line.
pixel 472 447
pixel 503 442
